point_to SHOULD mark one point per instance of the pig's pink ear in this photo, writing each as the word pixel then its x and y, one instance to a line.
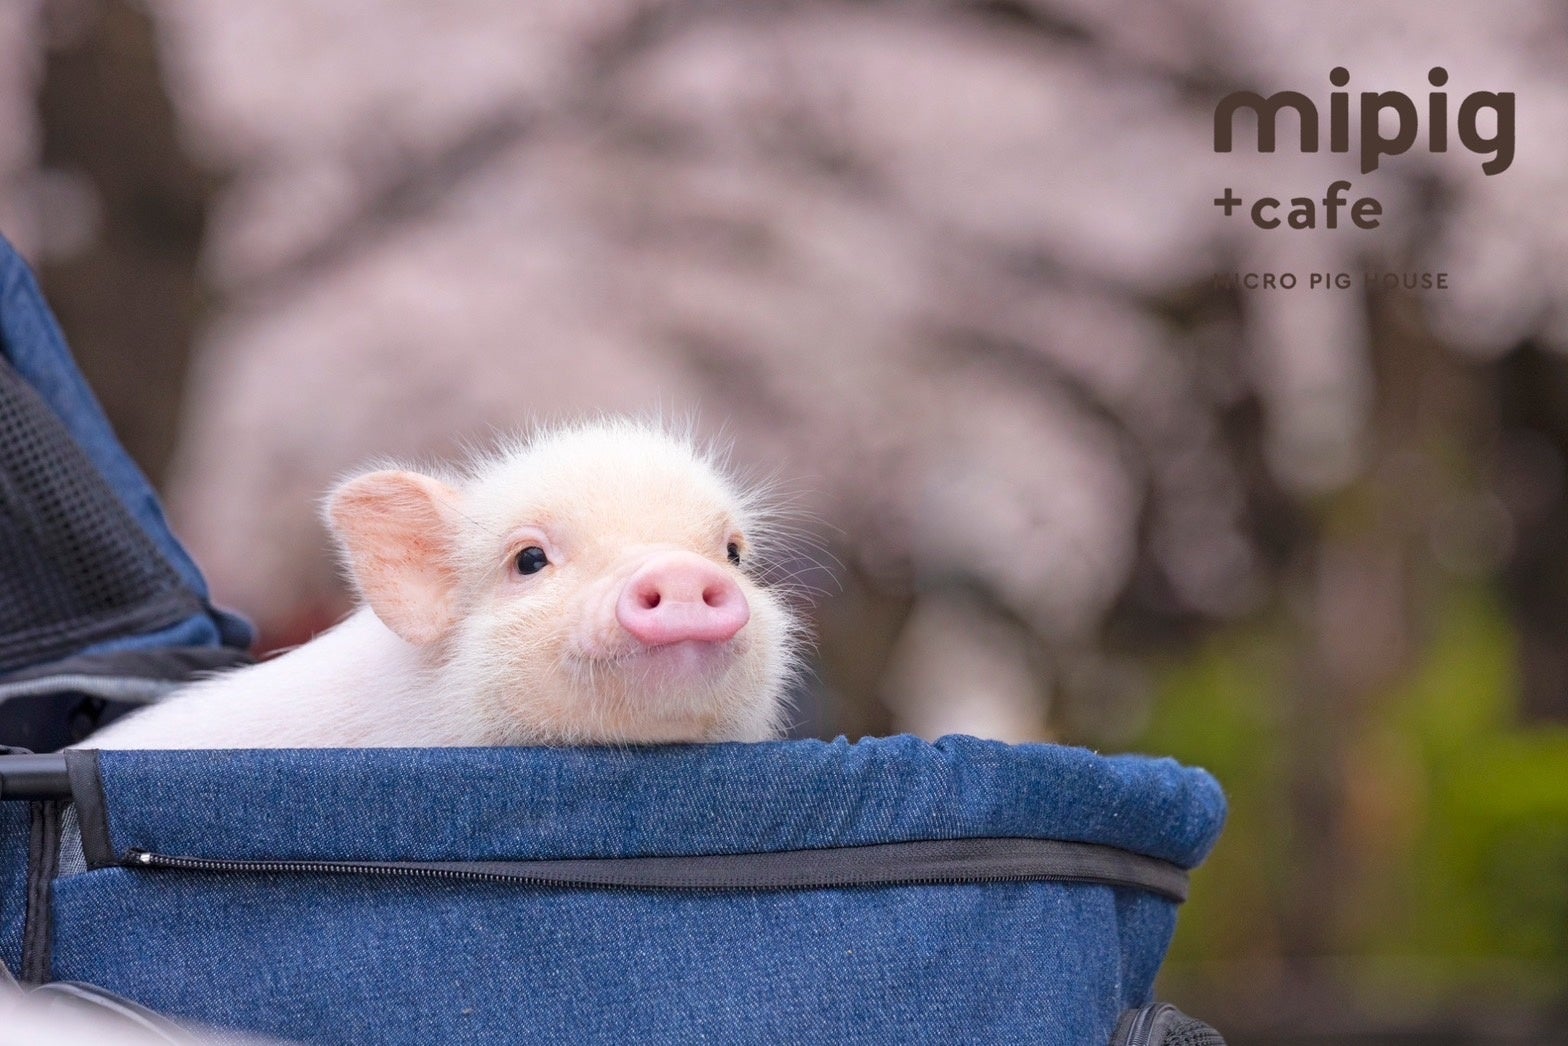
pixel 398 530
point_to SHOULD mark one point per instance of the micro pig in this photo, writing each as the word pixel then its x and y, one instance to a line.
pixel 590 585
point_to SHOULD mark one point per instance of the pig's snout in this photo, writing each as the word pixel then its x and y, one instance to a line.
pixel 680 596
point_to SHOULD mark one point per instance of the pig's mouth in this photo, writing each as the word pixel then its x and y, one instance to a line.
pixel 663 665
pixel 695 656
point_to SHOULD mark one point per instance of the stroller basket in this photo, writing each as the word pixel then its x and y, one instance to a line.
pixel 889 890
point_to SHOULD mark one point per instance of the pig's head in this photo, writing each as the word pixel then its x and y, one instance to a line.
pixel 590 585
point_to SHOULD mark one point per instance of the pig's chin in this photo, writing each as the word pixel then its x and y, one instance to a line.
pixel 670 692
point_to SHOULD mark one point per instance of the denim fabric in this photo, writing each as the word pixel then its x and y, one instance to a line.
pixel 32 342
pixel 341 960
pixel 14 831
pixel 362 959
pixel 520 803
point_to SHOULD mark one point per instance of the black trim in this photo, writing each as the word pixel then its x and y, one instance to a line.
pixel 48 707
pixel 92 808
pixel 43 858
pixel 921 863
pixel 173 664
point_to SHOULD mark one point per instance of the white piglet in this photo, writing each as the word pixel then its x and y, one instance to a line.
pixel 589 585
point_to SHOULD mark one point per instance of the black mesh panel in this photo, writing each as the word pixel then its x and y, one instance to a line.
pixel 75 568
pixel 1185 1031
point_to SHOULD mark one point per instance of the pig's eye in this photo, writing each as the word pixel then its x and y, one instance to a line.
pixel 531 560
pixel 734 553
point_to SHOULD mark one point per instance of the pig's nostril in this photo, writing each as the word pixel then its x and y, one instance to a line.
pixel 679 597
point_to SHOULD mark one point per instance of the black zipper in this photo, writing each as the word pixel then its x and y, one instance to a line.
pixel 43 859
pixel 920 863
pixel 1142 1025
pixel 144 859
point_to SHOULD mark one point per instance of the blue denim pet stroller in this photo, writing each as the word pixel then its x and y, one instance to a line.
pixel 884 891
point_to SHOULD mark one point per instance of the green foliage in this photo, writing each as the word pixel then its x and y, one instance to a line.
pixel 1453 833
pixel 1488 871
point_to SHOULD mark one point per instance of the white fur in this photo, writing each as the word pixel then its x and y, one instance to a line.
pixel 534 659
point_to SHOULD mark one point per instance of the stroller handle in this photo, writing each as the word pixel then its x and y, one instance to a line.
pixel 34 777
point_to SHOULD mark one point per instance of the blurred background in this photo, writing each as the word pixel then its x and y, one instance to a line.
pixel 949 271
